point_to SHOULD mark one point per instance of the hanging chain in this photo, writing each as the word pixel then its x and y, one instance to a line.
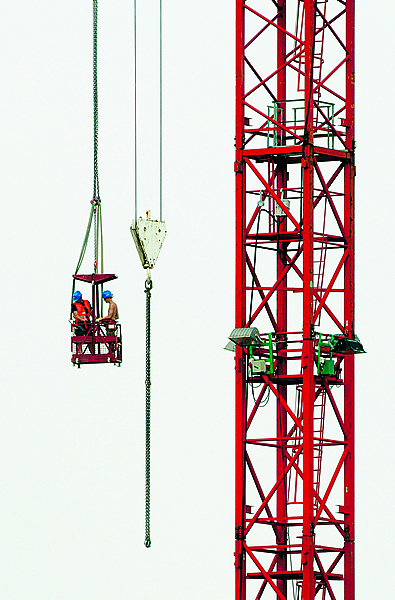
pixel 148 288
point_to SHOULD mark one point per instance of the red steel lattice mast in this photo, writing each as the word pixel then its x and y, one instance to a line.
pixel 295 171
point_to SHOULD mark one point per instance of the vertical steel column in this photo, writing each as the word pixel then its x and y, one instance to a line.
pixel 281 309
pixel 349 303
pixel 308 588
pixel 240 312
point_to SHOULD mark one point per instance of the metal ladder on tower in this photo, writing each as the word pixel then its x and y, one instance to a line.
pixel 318 275
pixel 318 46
pixel 295 443
pixel 318 435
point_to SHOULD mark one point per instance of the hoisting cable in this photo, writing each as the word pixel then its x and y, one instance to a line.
pixel 148 288
pixel 97 229
pixel 95 214
pixel 160 111
pixel 148 236
pixel 135 105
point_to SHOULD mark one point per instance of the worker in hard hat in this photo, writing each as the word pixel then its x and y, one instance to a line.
pixel 112 307
pixel 81 310
pixel 110 320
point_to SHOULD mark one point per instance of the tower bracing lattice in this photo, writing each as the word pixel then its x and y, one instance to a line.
pixel 294 169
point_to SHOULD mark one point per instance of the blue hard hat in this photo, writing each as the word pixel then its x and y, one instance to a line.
pixel 77 296
pixel 107 294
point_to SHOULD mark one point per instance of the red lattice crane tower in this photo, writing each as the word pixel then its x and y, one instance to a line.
pixel 295 174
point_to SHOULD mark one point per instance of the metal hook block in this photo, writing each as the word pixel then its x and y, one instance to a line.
pixel 149 237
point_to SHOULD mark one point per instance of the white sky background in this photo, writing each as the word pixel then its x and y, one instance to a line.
pixel 72 441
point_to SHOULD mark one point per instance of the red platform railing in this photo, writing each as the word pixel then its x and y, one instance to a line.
pixel 102 343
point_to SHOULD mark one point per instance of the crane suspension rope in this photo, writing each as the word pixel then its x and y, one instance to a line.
pixel 96 205
pixel 148 236
pixel 160 110
pixel 95 214
pixel 96 194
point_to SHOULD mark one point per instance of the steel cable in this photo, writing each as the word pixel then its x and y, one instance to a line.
pixel 148 288
pixel 98 240
pixel 135 106
pixel 82 253
pixel 96 192
pixel 95 212
pixel 85 242
pixel 160 111
pixel 95 239
pixel 148 283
